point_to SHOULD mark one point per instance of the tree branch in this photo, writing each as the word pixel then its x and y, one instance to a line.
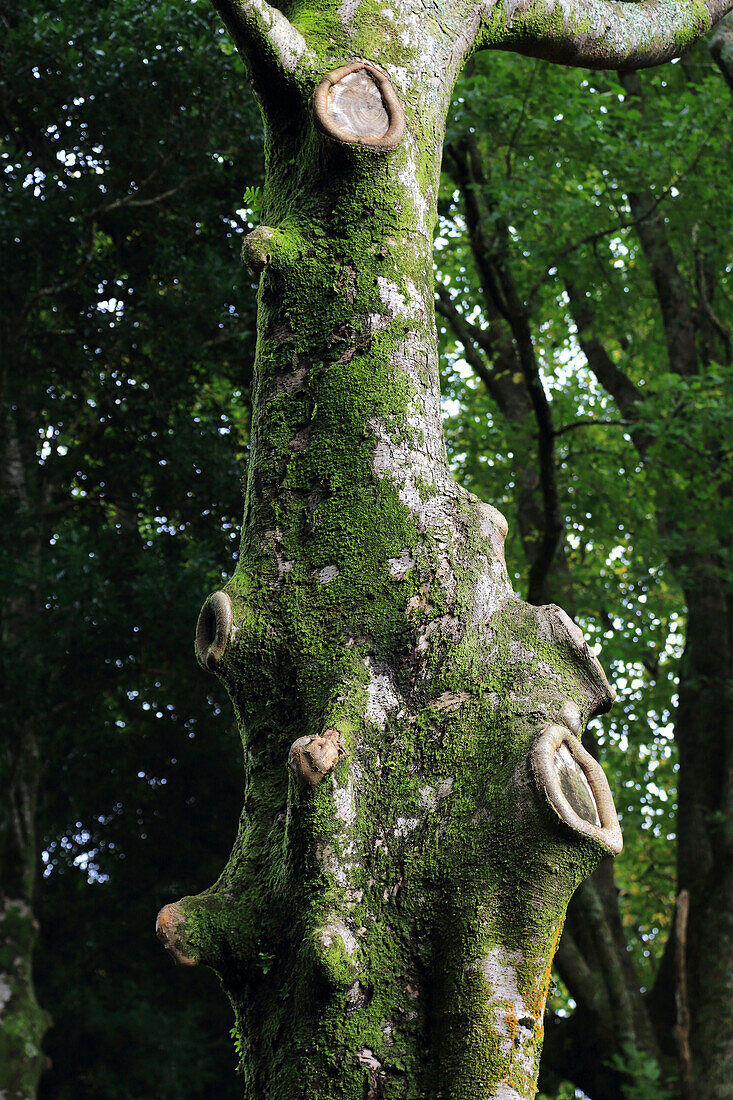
pixel 132 200
pixel 591 422
pixel 649 211
pixel 52 290
pixel 520 121
pixel 672 292
pixel 720 45
pixel 264 37
pixel 492 354
pixel 602 34
pixel 470 336
pixel 465 163
pixel 612 378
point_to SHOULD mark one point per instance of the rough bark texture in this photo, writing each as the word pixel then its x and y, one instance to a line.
pixel 22 1022
pixel 387 919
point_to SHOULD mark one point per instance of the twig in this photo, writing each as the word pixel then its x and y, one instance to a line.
pixel 520 120
pixel 591 422
pixel 58 288
pixel 682 1026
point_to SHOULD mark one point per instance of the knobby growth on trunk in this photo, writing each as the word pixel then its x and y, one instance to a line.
pixel 418 807
pixel 684 1023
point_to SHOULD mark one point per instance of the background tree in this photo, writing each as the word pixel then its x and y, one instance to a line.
pixel 123 333
pixel 666 383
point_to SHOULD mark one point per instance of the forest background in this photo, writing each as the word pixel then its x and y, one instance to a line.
pixel 584 287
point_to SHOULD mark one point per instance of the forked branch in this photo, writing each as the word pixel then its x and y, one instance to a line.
pixel 263 35
pixel 601 34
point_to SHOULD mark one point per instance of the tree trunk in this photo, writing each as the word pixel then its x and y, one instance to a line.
pixel 391 928
pixel 386 922
pixel 22 1022
pixel 700 968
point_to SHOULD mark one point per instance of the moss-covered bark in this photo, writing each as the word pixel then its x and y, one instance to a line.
pixel 22 1022
pixel 387 919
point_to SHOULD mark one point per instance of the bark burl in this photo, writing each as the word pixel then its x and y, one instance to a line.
pixel 418 806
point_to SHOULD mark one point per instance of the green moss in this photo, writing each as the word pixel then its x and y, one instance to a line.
pixel 22 1022
pixel 352 923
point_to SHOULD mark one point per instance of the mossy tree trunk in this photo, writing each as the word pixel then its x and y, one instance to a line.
pixel 23 1022
pixel 386 922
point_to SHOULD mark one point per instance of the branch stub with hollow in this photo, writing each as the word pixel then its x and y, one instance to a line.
pixel 312 758
pixel 213 629
pixel 576 787
pixel 356 104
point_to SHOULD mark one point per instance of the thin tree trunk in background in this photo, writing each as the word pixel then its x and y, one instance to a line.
pixel 592 959
pixel 517 384
pixel 22 1022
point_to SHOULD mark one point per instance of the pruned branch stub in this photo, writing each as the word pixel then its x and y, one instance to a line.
pixel 576 787
pixel 356 104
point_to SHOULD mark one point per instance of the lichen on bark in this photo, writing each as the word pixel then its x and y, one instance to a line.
pixel 23 1022
pixel 386 922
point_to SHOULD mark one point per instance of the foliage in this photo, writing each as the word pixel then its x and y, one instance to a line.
pixel 643 1076
pixel 130 337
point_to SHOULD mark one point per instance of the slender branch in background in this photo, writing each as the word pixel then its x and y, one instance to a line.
pixel 53 289
pixel 64 507
pixel 492 354
pixel 165 160
pixel 491 257
pixel 581 978
pixel 591 423
pixel 465 332
pixel 611 377
pixel 628 223
pixel 682 1026
pixel 551 267
pixel 702 285
pixel 459 166
pixel 222 338
pixel 132 199
pixel 520 121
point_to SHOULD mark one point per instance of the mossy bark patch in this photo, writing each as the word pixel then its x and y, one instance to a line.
pixel 387 919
